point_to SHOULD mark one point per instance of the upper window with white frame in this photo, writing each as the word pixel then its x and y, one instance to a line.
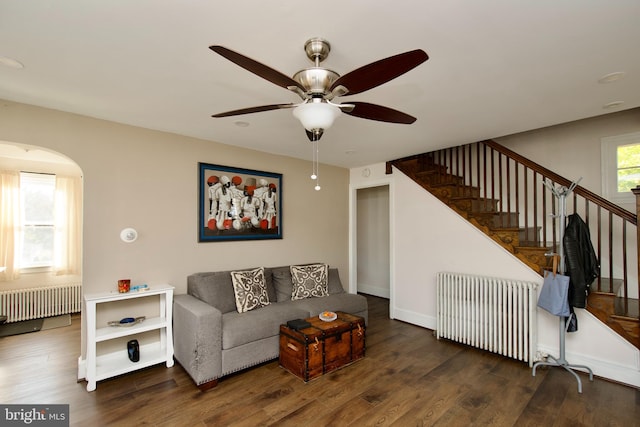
pixel 620 167
pixel 37 203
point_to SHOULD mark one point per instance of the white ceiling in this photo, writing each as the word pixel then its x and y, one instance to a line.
pixel 496 67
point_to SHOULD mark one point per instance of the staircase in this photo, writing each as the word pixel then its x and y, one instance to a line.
pixel 502 194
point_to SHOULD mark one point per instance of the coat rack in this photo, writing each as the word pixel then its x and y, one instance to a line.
pixel 561 193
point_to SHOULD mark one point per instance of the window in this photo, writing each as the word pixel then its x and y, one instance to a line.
pixel 628 172
pixel 45 213
pixel 620 167
pixel 37 201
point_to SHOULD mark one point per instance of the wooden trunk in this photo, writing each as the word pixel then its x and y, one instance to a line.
pixel 323 347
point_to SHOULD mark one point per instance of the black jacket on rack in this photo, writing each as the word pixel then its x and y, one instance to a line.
pixel 580 259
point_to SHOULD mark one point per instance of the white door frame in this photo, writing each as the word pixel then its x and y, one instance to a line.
pixel 353 236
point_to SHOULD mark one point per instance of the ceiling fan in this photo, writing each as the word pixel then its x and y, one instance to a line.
pixel 318 86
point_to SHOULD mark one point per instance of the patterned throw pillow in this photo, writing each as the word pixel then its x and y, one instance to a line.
pixel 250 289
pixel 309 281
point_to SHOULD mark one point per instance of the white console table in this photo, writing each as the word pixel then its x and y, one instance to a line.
pixel 110 364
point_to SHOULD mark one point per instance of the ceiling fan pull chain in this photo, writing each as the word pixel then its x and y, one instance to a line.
pixel 313 159
pixel 317 163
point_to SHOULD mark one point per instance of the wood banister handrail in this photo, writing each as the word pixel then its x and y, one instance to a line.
pixel 592 197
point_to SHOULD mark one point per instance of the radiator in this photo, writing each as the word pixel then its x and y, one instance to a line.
pixel 35 303
pixel 497 315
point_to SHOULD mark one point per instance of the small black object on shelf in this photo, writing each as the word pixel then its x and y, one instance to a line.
pixel 133 350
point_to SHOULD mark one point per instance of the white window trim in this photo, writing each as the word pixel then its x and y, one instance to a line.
pixel 609 165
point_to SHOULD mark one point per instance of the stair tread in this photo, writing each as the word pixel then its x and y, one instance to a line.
pixel 496 213
pixel 538 245
pixel 473 198
pixel 447 183
pixel 515 229
pixel 607 285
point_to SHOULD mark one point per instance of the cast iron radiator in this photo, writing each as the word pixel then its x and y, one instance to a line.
pixel 493 314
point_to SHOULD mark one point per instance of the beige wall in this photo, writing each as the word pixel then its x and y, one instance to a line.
pixel 148 180
pixel 573 150
pixel 139 178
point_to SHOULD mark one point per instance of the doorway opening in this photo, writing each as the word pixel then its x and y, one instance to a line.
pixel 373 243
pixel 40 262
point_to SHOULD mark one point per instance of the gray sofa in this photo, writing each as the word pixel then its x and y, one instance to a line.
pixel 212 339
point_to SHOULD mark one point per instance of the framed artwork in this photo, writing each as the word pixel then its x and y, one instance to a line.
pixel 238 204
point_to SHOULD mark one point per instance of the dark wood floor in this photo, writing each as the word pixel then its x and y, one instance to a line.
pixel 408 378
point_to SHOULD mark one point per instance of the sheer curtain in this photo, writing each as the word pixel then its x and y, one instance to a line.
pixel 68 225
pixel 9 224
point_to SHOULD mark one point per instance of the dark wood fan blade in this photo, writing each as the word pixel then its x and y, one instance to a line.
pixel 255 67
pixel 365 110
pixel 379 72
pixel 254 110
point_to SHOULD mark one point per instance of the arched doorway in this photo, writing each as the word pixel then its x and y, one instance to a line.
pixel 49 284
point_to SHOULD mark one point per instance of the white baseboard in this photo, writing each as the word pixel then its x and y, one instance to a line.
pixel 414 318
pixel 376 291
pixel 629 375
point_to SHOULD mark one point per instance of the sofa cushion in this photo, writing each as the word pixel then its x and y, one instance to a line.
pixel 335 285
pixel 268 279
pixel 282 283
pixel 242 328
pixel 216 289
pixel 309 281
pixel 250 289
pixel 213 288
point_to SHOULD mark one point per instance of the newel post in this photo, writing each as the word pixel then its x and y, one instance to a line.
pixel 636 191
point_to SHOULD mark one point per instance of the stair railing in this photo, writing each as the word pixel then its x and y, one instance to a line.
pixel 512 185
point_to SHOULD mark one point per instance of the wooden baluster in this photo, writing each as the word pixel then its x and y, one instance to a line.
pixel 458 165
pixel 610 252
pixel 477 171
pixel 535 206
pixel 500 191
pixel 545 214
pixel 508 173
pixel 470 176
pixel 599 249
pixel 624 266
pixel 485 188
pixel 493 180
pixel 467 190
pixel 449 156
pixel 516 175
pixel 526 198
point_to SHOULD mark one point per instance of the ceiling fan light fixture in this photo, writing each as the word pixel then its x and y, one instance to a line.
pixel 316 115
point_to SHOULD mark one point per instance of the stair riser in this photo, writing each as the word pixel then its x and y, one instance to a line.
pixel 496 220
pixel 476 205
pixel 530 234
pixel 535 255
